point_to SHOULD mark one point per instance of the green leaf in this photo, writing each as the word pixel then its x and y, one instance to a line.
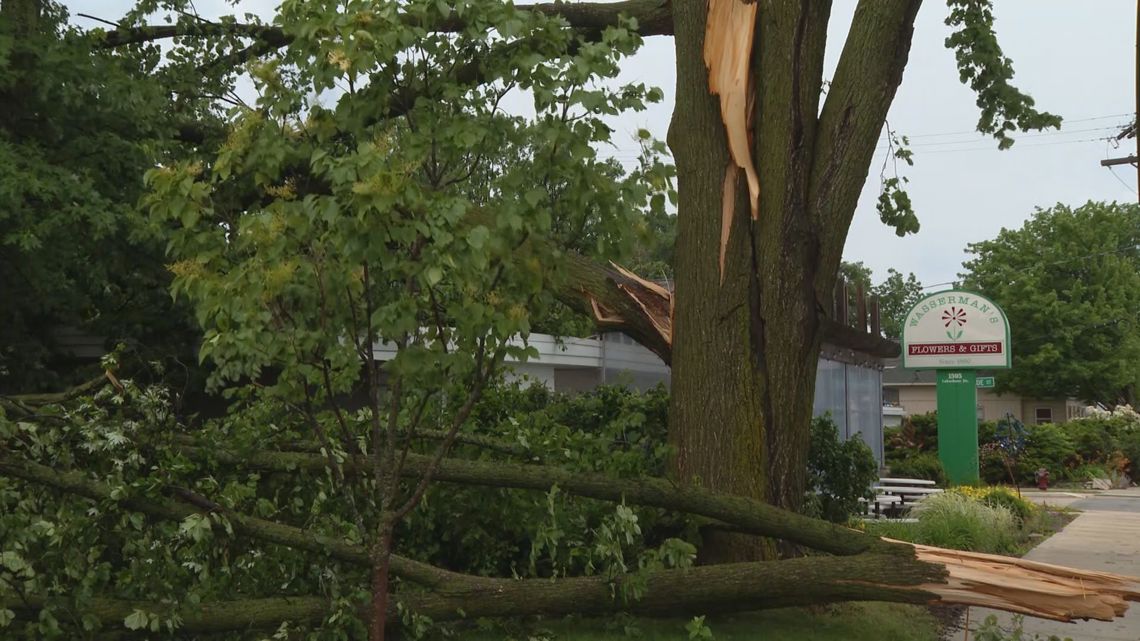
pixel 478 236
pixel 137 620
pixel 535 196
pixel 13 561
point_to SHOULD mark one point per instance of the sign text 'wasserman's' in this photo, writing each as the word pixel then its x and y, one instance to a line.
pixel 955 329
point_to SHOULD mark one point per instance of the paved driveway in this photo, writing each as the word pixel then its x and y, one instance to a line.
pixel 1106 536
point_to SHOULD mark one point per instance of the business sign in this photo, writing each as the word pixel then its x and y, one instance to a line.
pixel 955 329
pixel 985 382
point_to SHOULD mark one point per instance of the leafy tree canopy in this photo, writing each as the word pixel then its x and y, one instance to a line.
pixel 1069 281
pixel 80 128
pixel 896 296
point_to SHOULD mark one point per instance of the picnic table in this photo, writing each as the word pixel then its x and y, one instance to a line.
pixel 893 496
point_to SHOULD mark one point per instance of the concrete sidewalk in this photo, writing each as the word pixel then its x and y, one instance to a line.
pixel 1106 537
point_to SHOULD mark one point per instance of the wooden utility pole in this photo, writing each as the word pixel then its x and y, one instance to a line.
pixel 1134 130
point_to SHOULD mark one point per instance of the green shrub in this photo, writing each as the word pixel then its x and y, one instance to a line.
pixel 954 520
pixel 920 466
pixel 987 432
pixel 1130 448
pixel 1094 439
pixel 839 473
pixel 918 433
pixel 991 468
pixel 1047 445
pixel 1002 497
pixel 1050 447
pixel 1087 472
pixel 926 427
pixel 498 531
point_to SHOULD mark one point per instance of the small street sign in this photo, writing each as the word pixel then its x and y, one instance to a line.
pixel 985 382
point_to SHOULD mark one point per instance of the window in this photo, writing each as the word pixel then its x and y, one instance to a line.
pixel 890 396
pixel 1043 415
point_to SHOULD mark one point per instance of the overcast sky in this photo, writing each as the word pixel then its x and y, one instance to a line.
pixel 1075 57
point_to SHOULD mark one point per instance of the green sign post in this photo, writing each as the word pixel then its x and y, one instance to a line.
pixel 958 424
pixel 956 333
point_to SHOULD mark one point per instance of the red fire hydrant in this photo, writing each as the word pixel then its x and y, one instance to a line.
pixel 1042 477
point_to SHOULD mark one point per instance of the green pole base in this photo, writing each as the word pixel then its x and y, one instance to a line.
pixel 958 425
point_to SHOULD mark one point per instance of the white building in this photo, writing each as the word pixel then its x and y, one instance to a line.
pixel 848 385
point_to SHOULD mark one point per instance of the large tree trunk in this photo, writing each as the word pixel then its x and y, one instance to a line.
pixel 745 348
pixel 745 345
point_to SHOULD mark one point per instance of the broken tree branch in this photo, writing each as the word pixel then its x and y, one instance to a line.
pixel 619 300
pixel 59 397
pixel 890 571
pixel 747 515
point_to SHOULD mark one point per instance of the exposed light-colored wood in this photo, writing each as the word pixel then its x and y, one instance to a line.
pixel 728 205
pixel 603 316
pixel 729 34
pixel 1036 589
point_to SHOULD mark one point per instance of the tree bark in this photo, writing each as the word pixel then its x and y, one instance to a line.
pixel 381 567
pixel 746 344
pixel 701 590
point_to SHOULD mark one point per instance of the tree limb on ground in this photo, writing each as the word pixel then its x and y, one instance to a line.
pixel 891 571
pixel 748 515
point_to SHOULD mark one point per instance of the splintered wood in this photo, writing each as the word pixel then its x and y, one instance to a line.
pixel 729 31
pixel 654 301
pixel 1027 587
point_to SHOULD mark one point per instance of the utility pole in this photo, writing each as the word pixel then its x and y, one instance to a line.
pixel 1134 130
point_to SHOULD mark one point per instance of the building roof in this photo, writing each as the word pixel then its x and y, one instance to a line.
pixel 894 374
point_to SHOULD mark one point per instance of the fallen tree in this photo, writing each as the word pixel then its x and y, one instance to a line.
pixel 866 568
pixel 378 197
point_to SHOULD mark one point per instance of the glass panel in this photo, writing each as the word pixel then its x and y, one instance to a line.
pixel 865 406
pixel 831 393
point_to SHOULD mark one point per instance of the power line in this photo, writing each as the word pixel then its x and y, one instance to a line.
pixel 1013 148
pixel 1045 134
pixel 975 131
pixel 1112 170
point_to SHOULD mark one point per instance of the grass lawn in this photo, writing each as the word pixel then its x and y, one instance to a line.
pixel 843 622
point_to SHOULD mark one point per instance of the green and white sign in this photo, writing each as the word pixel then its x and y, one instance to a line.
pixel 957 332
pixel 955 329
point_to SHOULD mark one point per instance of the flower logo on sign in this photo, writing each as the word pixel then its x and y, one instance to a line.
pixel 955 316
